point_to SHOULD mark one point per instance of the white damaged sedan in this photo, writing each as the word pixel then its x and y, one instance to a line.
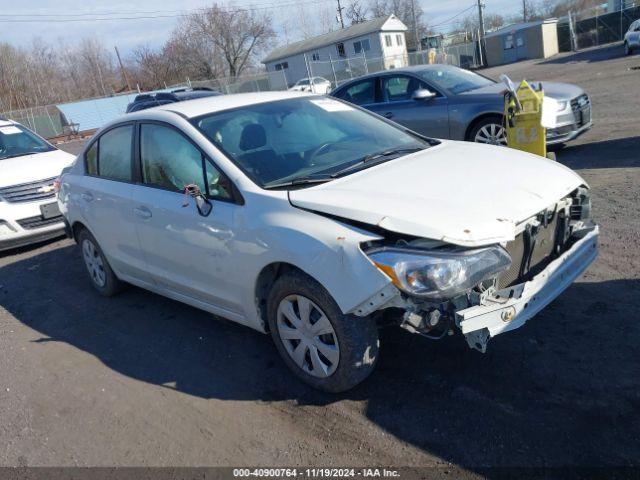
pixel 318 222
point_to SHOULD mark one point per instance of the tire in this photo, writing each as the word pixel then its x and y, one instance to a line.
pixel 491 129
pixel 100 273
pixel 627 49
pixel 347 351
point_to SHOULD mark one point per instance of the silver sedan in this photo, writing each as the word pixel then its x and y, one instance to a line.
pixel 444 101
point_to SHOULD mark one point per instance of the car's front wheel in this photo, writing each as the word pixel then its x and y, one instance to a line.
pixel 102 277
pixel 325 348
pixel 627 49
pixel 489 131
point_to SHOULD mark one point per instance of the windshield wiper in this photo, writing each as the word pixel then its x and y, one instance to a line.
pixel 306 180
pixel 373 159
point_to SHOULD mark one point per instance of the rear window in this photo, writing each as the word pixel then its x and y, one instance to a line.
pixel 110 156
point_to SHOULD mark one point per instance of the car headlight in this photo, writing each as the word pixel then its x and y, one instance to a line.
pixel 561 106
pixel 440 275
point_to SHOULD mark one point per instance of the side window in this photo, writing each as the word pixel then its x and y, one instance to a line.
pixel 91 159
pixel 399 87
pixel 219 185
pixel 168 159
pixel 360 93
pixel 114 153
pixel 172 162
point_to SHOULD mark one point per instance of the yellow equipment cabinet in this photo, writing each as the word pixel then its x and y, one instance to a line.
pixel 523 114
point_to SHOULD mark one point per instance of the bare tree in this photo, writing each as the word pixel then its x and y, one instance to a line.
pixel 356 12
pixel 237 35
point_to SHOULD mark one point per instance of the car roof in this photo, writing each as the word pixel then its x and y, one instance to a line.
pixel 202 106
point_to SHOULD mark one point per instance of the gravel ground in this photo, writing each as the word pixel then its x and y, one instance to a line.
pixel 142 380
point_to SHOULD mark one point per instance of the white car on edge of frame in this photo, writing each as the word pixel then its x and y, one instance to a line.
pixel 29 166
pixel 317 221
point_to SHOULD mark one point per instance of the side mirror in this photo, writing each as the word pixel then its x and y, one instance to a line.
pixel 423 94
pixel 203 204
pixel 509 84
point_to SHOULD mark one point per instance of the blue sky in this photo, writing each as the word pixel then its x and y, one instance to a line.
pixel 127 34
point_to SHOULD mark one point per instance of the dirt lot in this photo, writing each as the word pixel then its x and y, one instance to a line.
pixel 142 380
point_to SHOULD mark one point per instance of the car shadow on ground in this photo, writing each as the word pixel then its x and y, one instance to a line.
pixel 562 390
pixel 590 55
pixel 601 154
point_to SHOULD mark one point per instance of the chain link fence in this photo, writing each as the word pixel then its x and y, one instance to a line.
pixel 593 27
pixel 63 119
pixel 341 70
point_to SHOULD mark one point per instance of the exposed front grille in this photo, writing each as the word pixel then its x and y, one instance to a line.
pixel 38 222
pixel 545 239
pixel 28 192
pixel 581 107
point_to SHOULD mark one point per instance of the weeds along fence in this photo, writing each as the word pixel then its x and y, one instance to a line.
pixel 592 28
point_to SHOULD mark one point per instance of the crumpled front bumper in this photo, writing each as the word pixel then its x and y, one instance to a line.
pixel 511 307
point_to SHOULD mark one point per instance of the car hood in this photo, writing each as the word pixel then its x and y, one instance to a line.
pixel 31 168
pixel 457 192
pixel 558 91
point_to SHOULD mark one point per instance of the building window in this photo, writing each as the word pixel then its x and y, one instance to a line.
pixel 399 39
pixel 315 56
pixel 340 49
pixel 508 42
pixel 282 66
pixel 361 46
pixel 387 40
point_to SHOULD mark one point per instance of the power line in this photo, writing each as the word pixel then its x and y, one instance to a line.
pixel 450 20
pixel 98 17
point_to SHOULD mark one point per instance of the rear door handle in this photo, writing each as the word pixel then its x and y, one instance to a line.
pixel 143 212
pixel 87 196
pixel 388 115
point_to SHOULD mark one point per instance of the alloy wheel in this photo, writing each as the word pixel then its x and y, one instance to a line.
pixel 308 336
pixel 93 261
pixel 492 134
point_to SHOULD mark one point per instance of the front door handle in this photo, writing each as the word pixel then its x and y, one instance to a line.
pixel 87 196
pixel 143 212
pixel 388 115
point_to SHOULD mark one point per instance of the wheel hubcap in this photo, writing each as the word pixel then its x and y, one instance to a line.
pixel 93 261
pixel 492 134
pixel 308 336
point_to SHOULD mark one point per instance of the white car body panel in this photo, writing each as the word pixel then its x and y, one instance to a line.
pixel 461 193
pixel 496 190
pixel 23 170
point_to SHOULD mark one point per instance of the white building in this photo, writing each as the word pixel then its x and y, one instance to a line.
pixel 375 39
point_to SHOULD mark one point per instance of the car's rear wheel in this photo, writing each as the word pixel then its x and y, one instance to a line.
pixel 489 131
pixel 325 348
pixel 102 277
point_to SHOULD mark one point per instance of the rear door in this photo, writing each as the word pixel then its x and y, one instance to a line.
pixel 104 196
pixel 428 117
pixel 186 253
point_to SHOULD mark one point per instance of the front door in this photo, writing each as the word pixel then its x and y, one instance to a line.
pixel 186 253
pixel 428 117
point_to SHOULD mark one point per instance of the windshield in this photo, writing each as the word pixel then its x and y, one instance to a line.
pixel 304 81
pixel 15 141
pixel 453 79
pixel 290 139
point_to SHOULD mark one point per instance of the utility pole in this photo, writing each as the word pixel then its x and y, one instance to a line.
pixel 524 11
pixel 340 8
pixel 481 32
pixel 124 73
pixel 415 25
